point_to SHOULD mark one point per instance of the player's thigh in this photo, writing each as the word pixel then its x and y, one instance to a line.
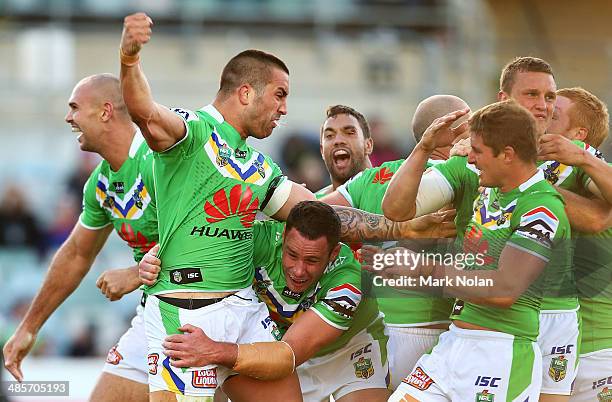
pixel 553 398
pixel 241 388
pixel 112 388
pixel 370 395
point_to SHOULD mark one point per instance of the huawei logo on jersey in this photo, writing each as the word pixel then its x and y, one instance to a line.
pixel 135 240
pixel 382 176
pixel 240 203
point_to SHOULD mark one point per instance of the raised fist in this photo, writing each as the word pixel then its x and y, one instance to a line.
pixel 136 32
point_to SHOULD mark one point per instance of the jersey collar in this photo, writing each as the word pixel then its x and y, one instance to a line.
pixel 136 143
pixel 215 114
pixel 537 177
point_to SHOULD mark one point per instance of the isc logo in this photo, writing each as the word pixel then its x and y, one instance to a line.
pixel 366 349
pixel 486 381
pixel 602 382
pixel 267 322
pixel 561 350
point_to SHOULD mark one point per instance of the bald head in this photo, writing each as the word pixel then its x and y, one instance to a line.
pixel 101 88
pixel 433 107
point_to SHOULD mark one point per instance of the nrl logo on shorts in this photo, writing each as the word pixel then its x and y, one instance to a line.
pixel 363 368
pixel 224 154
pixel 485 396
pixel 176 275
pixel 114 357
pixel 605 395
pixel 558 368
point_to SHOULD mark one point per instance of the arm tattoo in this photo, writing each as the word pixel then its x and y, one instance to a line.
pixel 357 225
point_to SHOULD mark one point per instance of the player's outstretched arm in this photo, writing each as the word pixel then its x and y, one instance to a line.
pixel 358 226
pixel 261 360
pixel 161 127
pixel 400 200
pixel 296 193
pixel 586 215
pixel 68 267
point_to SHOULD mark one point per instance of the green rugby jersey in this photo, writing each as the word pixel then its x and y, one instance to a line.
pixel 532 218
pixel 338 298
pixel 593 266
pixel 567 177
pixel 124 199
pixel 573 179
pixel 365 191
pixel 209 187
pixel 462 177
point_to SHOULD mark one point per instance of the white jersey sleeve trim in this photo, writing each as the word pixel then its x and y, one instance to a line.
pixel 279 198
pixel 328 321
pixel 344 192
pixel 80 222
pixel 434 193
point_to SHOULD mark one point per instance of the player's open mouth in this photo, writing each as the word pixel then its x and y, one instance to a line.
pixel 341 158
pixel 297 281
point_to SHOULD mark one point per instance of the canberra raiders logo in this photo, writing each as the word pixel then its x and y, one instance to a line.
pixel 224 154
pixel 558 368
pixel 363 368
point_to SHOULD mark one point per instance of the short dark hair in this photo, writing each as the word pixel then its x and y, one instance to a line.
pixel 504 124
pixel 522 65
pixel 335 110
pixel 313 219
pixel 253 67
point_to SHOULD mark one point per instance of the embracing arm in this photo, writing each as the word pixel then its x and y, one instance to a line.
pixel 586 215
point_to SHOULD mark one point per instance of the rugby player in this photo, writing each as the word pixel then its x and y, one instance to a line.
pixel 116 196
pixel 414 321
pixel 517 227
pixel 580 115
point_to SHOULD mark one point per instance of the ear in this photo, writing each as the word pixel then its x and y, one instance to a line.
pixel 334 253
pixel 502 96
pixel 369 146
pixel 509 154
pixel 107 111
pixel 581 134
pixel 246 94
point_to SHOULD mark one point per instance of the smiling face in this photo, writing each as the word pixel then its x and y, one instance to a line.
pixel 83 116
pixel 343 147
pixel 304 260
pixel 269 106
pixel 534 91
